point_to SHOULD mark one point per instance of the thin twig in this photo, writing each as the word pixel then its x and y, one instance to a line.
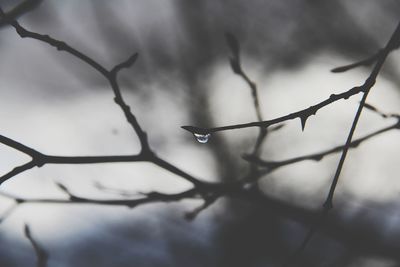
pixel 21 9
pixel 208 191
pixel 301 114
pixel 237 69
pixel 8 211
pixel 273 165
pixel 319 221
pixel 151 197
pixel 41 254
pixel 262 134
pixel 146 153
pixel 365 62
pixel 369 83
pixel 366 87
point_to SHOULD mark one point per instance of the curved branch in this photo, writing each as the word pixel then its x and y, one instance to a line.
pixel 369 83
pixel 273 165
pixel 301 114
pixel 21 9
pixel 146 153
pixel 41 254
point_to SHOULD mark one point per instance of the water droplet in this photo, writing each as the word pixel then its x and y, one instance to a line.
pixel 202 138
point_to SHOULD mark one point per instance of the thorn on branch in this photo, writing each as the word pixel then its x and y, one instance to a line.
pixel 267 123
pixel 272 165
pixel 303 120
pixel 369 83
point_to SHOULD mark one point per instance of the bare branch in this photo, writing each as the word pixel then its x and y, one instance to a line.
pixel 307 239
pixel 365 62
pixel 18 146
pixel 304 113
pixel 41 254
pixel 8 211
pixel 151 197
pixel 21 9
pixel 209 192
pixel 273 165
pixel 146 153
pixel 126 64
pixel 17 170
pixel 208 201
pixel 109 75
pixel 369 83
pixel 237 68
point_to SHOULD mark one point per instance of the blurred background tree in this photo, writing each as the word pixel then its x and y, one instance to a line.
pixel 59 105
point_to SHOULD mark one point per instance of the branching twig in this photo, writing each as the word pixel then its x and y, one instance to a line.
pixel 208 201
pixel 368 84
pixel 273 165
pixel 301 114
pixel 237 68
pixel 21 9
pixel 41 254
pixel 262 134
pixel 146 153
pixel 39 160
pixel 9 211
pixel 317 224
pixel 209 192
pixel 365 62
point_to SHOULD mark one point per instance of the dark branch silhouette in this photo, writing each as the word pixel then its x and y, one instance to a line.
pixel 146 153
pixel 273 165
pixel 41 254
pixel 369 83
pixel 237 68
pixel 301 114
pixel 21 9
pixel 207 192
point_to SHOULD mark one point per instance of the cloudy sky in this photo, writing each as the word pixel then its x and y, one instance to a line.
pixel 56 104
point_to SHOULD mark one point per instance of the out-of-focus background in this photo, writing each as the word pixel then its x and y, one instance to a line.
pixel 58 105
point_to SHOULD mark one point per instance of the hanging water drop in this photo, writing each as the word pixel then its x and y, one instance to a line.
pixel 202 138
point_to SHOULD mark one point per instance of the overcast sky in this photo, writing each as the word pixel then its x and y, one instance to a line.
pixel 58 105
